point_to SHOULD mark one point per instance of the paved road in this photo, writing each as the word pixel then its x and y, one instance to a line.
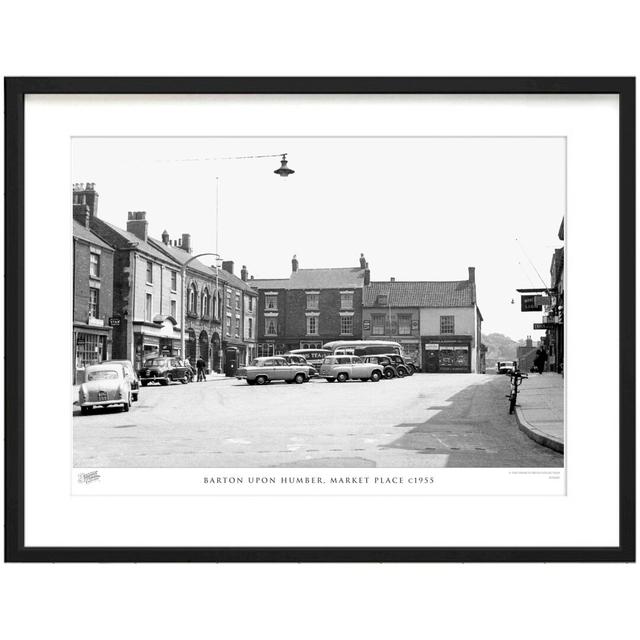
pixel 439 420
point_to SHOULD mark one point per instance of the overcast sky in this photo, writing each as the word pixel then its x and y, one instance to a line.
pixel 418 208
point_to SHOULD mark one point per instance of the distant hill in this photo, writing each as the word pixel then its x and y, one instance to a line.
pixel 500 347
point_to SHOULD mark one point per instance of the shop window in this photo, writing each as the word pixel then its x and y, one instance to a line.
pixel 447 324
pixel 404 325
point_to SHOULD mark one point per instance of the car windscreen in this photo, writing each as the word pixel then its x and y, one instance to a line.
pixel 105 374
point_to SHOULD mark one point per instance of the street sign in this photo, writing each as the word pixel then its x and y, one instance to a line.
pixel 530 303
pixel 542 326
pixel 115 321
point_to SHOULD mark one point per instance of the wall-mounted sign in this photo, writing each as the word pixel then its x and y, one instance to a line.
pixel 414 325
pixel 431 347
pixel 115 321
pixel 366 325
pixel 530 303
pixel 542 326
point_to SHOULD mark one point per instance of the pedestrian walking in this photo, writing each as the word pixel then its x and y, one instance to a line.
pixel 539 360
pixel 200 366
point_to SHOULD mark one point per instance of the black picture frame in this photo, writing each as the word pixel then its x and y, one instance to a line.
pixel 15 91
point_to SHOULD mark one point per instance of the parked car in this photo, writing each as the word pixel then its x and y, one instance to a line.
pixel 301 361
pixel 104 385
pixel 402 368
pixel 313 356
pixel 264 370
pixel 388 368
pixel 343 368
pixel 506 366
pixel 164 370
pixel 131 374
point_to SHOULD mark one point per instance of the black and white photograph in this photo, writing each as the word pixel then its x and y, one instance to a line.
pixel 318 302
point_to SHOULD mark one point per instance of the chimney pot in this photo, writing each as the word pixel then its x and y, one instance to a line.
pixel 294 263
pixel 363 262
pixel 137 224
pixel 244 273
pixel 165 237
pixel 186 242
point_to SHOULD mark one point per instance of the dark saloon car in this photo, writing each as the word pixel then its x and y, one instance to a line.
pixel 164 370
pixel 388 368
pixel 402 368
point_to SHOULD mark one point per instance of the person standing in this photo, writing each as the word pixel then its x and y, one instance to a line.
pixel 200 365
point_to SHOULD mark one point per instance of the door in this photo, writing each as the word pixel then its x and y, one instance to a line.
pixel 431 361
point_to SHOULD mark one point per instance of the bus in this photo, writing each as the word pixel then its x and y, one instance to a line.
pixel 312 356
pixel 363 347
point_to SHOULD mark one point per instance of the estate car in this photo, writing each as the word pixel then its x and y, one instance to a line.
pixel 343 368
pixel 264 370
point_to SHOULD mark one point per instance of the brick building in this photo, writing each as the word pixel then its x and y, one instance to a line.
pixel 92 292
pixel 438 323
pixel 310 307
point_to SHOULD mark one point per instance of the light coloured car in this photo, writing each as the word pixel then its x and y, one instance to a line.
pixel 506 366
pixel 265 370
pixel 104 385
pixel 343 368
pixel 130 372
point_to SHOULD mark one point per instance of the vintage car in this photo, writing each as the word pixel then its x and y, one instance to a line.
pixel 301 361
pixel 343 368
pixel 130 372
pixel 264 370
pixel 402 368
pixel 506 366
pixel 164 370
pixel 104 385
pixel 388 368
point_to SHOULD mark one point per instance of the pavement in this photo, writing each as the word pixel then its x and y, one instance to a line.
pixel 540 409
pixel 423 421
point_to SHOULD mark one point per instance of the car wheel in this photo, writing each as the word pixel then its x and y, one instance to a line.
pixel 84 411
pixel 389 373
pixel 250 382
pixel 127 404
pixel 342 376
pixel 261 380
pixel 409 371
pixel 134 396
pixel 144 383
pixel 402 372
pixel 330 379
pixel 299 379
pixel 375 376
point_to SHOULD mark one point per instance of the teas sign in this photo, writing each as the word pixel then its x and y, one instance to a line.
pixel 530 303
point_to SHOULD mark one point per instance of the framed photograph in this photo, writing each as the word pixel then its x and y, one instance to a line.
pixel 320 319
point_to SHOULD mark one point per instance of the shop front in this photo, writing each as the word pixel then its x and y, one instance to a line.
pixel 159 339
pixel 92 345
pixel 411 349
pixel 446 354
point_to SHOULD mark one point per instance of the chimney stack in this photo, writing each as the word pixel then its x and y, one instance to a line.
pixel 85 202
pixel 294 263
pixel 529 342
pixel 363 262
pixel 137 224
pixel 472 274
pixel 244 274
pixel 186 242
pixel 393 279
pixel 367 277
pixel 227 265
pixel 165 237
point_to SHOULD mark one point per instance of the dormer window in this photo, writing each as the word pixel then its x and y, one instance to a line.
pixel 382 300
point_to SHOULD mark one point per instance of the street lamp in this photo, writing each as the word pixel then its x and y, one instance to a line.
pixel 284 172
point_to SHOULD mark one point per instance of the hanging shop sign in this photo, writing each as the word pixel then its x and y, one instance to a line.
pixel 114 321
pixel 530 303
